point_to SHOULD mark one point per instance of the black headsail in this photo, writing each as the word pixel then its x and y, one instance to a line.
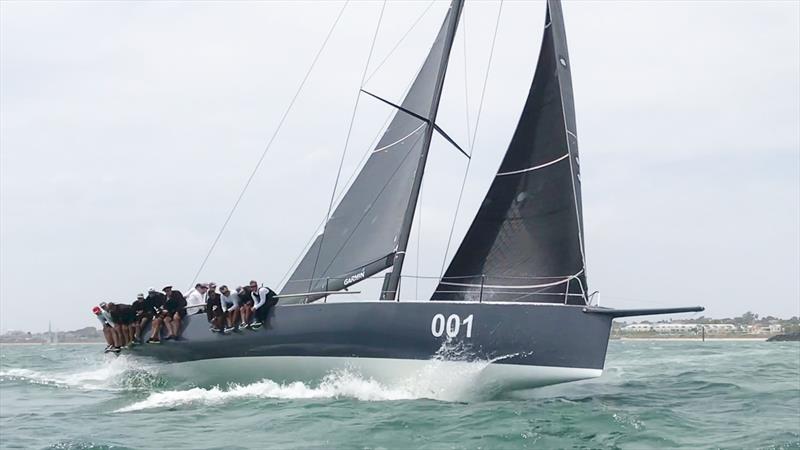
pixel 526 241
pixel 367 231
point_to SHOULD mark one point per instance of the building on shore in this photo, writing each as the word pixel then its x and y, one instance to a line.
pixel 680 328
pixel 773 328
pixel 637 328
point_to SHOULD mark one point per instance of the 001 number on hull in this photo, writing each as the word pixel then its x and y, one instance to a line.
pixel 450 326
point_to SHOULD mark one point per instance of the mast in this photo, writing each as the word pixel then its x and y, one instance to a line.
pixel 393 281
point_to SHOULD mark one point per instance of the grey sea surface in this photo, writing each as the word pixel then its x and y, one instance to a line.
pixel 653 394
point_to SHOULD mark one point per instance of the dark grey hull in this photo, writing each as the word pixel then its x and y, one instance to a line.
pixel 519 337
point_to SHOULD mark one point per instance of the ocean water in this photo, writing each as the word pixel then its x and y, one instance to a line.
pixel 653 394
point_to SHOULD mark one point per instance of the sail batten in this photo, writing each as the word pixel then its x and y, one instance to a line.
pixel 529 226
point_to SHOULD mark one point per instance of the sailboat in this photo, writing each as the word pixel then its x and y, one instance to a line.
pixel 515 294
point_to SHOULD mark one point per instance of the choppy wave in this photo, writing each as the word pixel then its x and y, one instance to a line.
pixel 745 396
pixel 119 373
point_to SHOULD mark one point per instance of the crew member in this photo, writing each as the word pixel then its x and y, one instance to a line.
pixel 142 316
pixel 214 312
pixel 263 300
pixel 115 334
pixel 108 328
pixel 196 298
pixel 175 307
pixel 245 306
pixel 155 301
pixel 123 316
pixel 229 301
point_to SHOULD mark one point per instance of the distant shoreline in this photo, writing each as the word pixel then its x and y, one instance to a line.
pixel 694 339
pixel 48 344
pixel 648 338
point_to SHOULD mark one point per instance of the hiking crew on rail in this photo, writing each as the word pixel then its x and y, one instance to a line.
pixel 226 311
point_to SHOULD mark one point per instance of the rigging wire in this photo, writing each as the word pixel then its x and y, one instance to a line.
pixel 391 52
pixel 419 238
pixel 474 136
pixel 466 73
pixel 347 138
pixel 381 131
pixel 269 144
pixel 341 194
pixel 364 214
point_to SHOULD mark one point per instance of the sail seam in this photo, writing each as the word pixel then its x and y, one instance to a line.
pixel 505 286
pixel 529 169
pixel 350 235
pixel 399 140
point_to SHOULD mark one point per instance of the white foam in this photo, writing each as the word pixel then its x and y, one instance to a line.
pixel 335 385
pixel 452 375
pixel 435 380
pixel 111 374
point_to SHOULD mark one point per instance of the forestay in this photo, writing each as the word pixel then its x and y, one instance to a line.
pixel 360 237
pixel 526 241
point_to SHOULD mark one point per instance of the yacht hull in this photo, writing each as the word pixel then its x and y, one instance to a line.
pixel 514 345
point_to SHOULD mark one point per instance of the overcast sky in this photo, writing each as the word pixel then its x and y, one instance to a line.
pixel 128 129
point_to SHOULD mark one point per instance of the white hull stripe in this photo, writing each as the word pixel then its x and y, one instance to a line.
pixel 388 371
pixel 534 167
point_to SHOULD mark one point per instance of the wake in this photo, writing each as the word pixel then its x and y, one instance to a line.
pixel 438 379
pixel 342 384
pixel 117 374
pixel 452 375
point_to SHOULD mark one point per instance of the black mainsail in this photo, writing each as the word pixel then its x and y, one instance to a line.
pixel 368 230
pixel 526 241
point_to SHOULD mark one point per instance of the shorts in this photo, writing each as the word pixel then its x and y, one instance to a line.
pixel 214 312
pixel 129 317
pixel 122 319
pixel 181 313
pixel 262 313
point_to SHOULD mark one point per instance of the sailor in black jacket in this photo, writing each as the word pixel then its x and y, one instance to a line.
pixel 123 316
pixel 245 306
pixel 175 305
pixel 155 302
pixel 143 314
pixel 214 308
